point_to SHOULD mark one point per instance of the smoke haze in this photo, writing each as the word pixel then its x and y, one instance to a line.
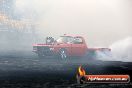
pixel 121 50
pixel 101 22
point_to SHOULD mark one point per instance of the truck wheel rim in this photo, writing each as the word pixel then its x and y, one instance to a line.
pixel 63 54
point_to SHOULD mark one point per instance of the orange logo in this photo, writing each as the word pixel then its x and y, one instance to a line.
pixel 83 78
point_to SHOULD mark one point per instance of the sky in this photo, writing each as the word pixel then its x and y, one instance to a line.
pixel 101 22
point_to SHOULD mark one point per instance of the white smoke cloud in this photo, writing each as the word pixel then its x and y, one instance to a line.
pixel 120 51
pixel 94 19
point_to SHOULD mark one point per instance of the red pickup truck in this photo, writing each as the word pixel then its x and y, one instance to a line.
pixel 64 47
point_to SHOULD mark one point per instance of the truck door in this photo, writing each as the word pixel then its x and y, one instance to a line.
pixel 78 47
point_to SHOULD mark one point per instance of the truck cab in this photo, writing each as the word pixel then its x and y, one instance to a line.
pixel 73 45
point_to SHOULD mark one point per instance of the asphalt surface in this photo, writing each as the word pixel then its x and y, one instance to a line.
pixel 26 70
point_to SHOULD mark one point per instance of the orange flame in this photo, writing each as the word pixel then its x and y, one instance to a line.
pixel 81 71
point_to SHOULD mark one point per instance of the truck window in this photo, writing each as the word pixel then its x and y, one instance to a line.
pixel 65 39
pixel 78 40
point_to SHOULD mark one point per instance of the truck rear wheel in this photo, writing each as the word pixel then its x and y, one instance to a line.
pixel 63 54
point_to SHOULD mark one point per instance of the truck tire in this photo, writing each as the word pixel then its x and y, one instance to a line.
pixel 63 54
